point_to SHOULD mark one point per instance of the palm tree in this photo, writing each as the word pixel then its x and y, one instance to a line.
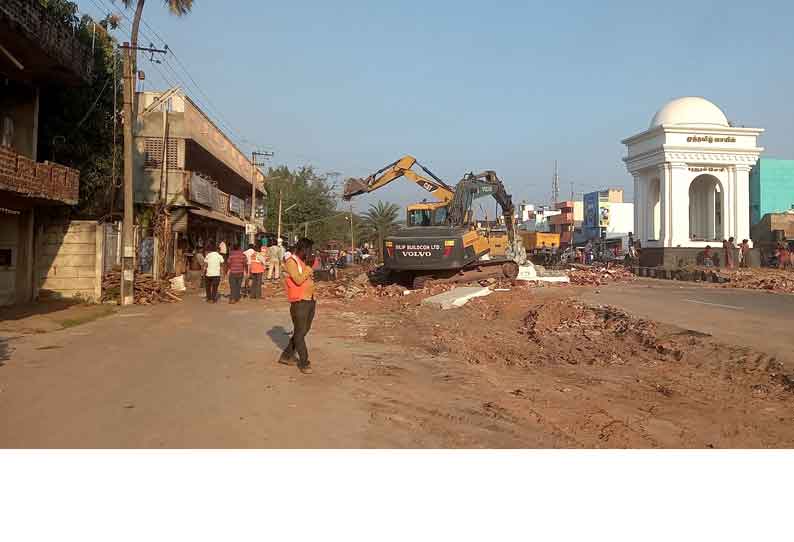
pixel 380 220
pixel 177 7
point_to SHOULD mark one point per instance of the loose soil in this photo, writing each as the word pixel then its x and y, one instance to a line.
pixel 557 372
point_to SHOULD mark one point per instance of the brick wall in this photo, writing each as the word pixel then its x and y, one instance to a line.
pixel 44 180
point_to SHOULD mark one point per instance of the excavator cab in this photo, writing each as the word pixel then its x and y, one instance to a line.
pixel 426 214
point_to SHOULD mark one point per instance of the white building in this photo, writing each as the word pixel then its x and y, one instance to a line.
pixel 691 173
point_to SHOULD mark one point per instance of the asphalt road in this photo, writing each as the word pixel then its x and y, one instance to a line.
pixel 758 319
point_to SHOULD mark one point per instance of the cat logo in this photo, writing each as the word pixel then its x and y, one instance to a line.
pixel 429 187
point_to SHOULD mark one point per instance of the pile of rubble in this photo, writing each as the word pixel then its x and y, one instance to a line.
pixel 776 280
pixel 598 276
pixel 147 290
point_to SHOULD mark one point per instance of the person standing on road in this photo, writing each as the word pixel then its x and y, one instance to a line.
pixel 728 247
pixel 744 253
pixel 274 256
pixel 256 267
pixel 212 272
pixel 299 284
pixel 237 269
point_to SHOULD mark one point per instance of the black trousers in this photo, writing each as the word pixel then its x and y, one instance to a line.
pixel 256 285
pixel 211 285
pixel 235 283
pixel 302 313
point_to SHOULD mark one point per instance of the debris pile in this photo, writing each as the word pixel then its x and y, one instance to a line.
pixel 776 280
pixel 147 290
pixel 598 276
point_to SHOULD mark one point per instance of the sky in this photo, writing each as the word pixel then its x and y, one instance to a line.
pixel 350 86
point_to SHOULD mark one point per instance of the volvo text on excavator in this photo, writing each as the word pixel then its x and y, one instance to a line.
pixel 441 239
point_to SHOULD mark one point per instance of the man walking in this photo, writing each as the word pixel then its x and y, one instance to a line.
pixel 237 269
pixel 256 268
pixel 299 284
pixel 212 272
pixel 275 253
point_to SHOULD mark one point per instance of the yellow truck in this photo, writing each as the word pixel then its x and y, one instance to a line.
pixel 534 240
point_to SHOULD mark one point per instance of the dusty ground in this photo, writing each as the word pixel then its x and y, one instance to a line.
pixel 531 367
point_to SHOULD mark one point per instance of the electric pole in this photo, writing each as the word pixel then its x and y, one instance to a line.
pixel 127 241
pixel 254 165
pixel 280 200
pixel 352 230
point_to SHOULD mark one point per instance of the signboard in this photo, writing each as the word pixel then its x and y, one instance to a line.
pixel 249 229
pixel 591 211
pixel 201 191
pixel 603 215
pixel 235 205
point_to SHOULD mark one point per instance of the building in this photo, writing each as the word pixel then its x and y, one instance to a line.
pixel 771 187
pixel 605 211
pixel 37 51
pixel 206 181
pixel 691 171
pixel 536 218
pixel 566 220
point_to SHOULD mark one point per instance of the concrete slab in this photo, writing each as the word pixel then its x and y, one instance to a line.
pixel 456 297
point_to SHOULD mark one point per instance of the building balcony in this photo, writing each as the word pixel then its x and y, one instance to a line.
pixel 42 47
pixel 44 181
pixel 562 218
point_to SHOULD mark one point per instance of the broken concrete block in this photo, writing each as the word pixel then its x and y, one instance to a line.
pixel 457 297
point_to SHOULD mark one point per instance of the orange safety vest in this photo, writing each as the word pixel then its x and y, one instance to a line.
pixel 256 265
pixel 295 292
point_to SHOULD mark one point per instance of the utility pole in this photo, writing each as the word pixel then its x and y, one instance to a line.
pixel 254 165
pixel 127 243
pixel 280 200
pixel 352 230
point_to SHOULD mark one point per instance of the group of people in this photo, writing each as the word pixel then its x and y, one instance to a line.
pixel 784 255
pixel 249 267
pixel 729 254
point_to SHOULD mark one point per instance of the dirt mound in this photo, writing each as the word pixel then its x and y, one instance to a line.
pixel 598 276
pixel 776 280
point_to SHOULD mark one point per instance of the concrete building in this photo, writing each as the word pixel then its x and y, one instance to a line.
pixel 37 51
pixel 566 220
pixel 771 187
pixel 536 218
pixel 605 210
pixel 691 172
pixel 206 181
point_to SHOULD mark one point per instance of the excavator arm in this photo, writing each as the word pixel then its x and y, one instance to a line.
pixel 395 170
pixel 473 186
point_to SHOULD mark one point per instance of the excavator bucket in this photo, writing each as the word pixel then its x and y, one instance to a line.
pixel 354 187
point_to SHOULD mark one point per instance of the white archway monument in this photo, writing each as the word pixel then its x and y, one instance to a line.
pixel 691 173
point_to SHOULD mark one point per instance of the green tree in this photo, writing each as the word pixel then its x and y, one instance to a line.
pixel 308 202
pixel 79 122
pixel 381 220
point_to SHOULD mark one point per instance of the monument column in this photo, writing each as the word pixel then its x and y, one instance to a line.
pixel 678 196
pixel 637 205
pixel 664 204
pixel 742 202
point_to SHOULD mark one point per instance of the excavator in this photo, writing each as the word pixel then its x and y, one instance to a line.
pixel 441 239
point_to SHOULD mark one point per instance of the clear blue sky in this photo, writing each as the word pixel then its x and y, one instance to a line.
pixel 511 86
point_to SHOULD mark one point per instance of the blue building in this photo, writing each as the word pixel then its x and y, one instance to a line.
pixel 771 187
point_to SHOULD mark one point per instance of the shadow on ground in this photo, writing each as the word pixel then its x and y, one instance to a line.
pixel 279 336
pixel 18 312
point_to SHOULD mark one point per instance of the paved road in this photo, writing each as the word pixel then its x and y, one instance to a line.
pixel 762 320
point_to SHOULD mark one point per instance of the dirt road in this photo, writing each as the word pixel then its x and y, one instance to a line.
pixel 537 369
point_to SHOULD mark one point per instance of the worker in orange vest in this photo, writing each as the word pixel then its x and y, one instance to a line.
pixel 299 284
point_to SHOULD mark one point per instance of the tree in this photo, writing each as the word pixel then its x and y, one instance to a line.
pixel 381 220
pixel 78 130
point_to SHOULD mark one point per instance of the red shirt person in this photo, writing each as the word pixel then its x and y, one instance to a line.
pixel 238 266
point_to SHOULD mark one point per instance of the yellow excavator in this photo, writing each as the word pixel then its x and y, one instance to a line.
pixel 441 239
